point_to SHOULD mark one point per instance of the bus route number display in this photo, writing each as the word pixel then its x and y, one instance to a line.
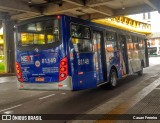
pixel 83 61
pixel 49 60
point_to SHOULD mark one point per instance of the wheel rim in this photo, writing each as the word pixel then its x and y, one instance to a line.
pixel 114 79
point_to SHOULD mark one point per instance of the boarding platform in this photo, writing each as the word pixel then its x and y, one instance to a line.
pixel 140 104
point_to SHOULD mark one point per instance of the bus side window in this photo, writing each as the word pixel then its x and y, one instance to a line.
pixel 135 42
pixel 75 44
pixel 129 43
pixel 111 41
pixel 141 44
pixel 81 38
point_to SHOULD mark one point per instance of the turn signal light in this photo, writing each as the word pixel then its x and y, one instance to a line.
pixel 63 72
pixel 19 72
pixel 63 69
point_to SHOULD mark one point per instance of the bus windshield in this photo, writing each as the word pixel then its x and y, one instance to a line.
pixel 38 33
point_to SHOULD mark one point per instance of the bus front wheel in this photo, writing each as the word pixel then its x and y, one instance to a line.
pixel 112 79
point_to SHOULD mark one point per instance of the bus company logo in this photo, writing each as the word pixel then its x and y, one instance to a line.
pixel 6 117
pixel 37 63
pixel 22 118
pixel 27 58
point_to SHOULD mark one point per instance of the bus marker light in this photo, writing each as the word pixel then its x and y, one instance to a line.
pixel 58 17
pixel 60 85
pixel 64 85
pixel 80 73
pixel 63 63
pixel 21 86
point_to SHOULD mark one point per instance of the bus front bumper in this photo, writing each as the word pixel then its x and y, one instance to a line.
pixel 63 85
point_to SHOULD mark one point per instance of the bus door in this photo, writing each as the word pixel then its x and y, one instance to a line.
pixel 82 60
pixel 123 54
pixel 97 39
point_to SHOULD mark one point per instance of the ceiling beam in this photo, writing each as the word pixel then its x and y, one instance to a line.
pixel 67 7
pixel 133 10
pixel 93 16
pixel 24 16
pixel 17 5
pixel 103 10
pixel 155 4
pixel 93 3
pixel 75 2
pixel 55 9
pixel 150 4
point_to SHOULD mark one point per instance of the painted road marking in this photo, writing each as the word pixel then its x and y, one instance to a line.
pixel 8 112
pixel 11 107
pixel 7 79
pixel 4 82
pixel 157 88
pixel 46 96
pixel 63 93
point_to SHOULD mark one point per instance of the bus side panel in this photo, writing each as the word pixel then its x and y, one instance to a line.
pixel 81 63
pixel 69 51
pixel 66 39
pixel 113 60
pixel 83 74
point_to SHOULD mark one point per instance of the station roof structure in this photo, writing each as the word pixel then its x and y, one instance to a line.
pixel 85 9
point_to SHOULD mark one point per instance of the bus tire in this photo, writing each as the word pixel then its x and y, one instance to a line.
pixel 140 73
pixel 112 79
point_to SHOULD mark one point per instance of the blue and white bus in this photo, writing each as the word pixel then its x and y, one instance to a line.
pixel 67 53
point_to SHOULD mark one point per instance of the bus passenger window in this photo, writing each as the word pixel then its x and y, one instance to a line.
pixel 141 44
pixel 111 41
pixel 110 46
pixel 80 31
pixel 86 32
pixel 82 45
pixel 135 42
pixel 130 45
pixel 39 33
pixel 81 38
pixel 76 31
pixel 87 46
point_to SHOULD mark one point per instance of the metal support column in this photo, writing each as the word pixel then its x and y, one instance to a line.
pixel 9 46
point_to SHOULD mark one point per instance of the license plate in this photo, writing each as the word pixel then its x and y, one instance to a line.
pixel 40 79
